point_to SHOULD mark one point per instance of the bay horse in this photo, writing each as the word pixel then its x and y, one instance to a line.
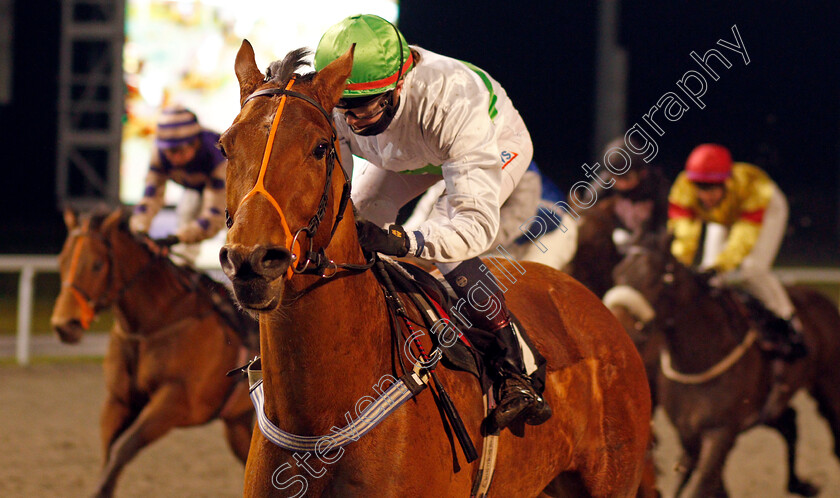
pixel 325 334
pixel 714 382
pixel 596 253
pixel 595 259
pixel 168 350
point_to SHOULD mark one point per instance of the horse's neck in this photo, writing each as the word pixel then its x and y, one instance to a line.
pixel 703 331
pixel 148 290
pixel 323 351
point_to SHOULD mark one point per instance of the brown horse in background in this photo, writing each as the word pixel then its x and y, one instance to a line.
pixel 593 264
pixel 169 348
pixel 715 382
pixel 326 340
pixel 596 254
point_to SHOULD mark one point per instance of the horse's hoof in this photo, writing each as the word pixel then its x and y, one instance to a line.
pixel 803 488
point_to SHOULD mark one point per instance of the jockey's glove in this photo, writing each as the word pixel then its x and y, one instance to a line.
pixel 168 241
pixel 713 277
pixel 393 242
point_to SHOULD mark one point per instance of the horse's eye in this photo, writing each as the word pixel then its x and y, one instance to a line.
pixel 221 149
pixel 97 265
pixel 228 220
pixel 320 150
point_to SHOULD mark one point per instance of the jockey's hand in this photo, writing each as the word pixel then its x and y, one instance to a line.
pixel 168 241
pixel 712 277
pixel 393 241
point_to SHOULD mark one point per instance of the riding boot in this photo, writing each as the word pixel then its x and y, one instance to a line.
pixel 517 395
pixel 795 339
pixel 786 340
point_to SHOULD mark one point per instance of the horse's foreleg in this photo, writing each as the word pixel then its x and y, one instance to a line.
pixel 828 402
pixel 156 419
pixel 238 434
pixel 707 478
pixel 115 417
pixel 786 425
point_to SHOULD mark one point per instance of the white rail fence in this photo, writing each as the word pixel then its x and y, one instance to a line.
pixel 30 265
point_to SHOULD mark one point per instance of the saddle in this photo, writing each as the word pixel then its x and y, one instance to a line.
pixel 473 349
pixel 777 339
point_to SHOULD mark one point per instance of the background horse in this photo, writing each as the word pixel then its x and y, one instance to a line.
pixel 169 347
pixel 325 342
pixel 593 264
pixel 596 254
pixel 718 382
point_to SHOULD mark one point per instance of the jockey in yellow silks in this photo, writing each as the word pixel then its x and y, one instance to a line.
pixel 418 118
pixel 745 214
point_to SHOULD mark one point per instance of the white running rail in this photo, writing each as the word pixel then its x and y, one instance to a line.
pixel 30 265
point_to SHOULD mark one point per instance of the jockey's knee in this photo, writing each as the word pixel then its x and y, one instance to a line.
pixel 377 210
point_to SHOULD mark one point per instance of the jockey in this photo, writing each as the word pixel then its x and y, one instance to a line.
pixel 641 204
pixel 534 196
pixel 188 155
pixel 746 216
pixel 418 118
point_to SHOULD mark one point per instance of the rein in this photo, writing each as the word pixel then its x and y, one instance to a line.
pixel 715 371
pixel 312 262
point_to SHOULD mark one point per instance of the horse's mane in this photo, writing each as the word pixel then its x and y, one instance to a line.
pixel 96 217
pixel 280 71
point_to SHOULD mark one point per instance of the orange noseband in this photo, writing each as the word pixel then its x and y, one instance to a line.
pixel 259 188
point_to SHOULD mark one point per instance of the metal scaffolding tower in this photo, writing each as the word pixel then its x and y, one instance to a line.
pixel 90 101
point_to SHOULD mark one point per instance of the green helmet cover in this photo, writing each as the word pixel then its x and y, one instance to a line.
pixel 376 59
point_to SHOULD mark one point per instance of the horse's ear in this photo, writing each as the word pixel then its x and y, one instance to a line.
pixel 664 240
pixel 71 219
pixel 247 73
pixel 113 221
pixel 329 83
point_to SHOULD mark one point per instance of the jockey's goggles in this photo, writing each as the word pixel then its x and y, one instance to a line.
pixel 356 109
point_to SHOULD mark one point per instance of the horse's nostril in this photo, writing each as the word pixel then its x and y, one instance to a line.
pixel 276 256
pixel 231 261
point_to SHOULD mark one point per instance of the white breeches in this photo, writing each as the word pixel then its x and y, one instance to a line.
pixel 755 274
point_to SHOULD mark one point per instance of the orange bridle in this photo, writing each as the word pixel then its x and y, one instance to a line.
pixel 315 262
pixel 85 308
pixel 259 187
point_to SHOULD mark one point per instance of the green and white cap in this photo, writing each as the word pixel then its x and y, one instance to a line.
pixel 380 50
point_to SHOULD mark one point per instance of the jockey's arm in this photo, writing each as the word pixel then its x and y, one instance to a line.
pixel 473 177
pixel 152 201
pixel 752 195
pixel 740 242
pixel 686 233
pixel 683 222
pixel 211 219
pixel 519 206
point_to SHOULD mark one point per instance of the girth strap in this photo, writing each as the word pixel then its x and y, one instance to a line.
pixel 401 391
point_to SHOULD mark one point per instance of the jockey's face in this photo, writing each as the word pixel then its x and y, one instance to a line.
pixel 182 154
pixel 628 181
pixel 365 116
pixel 710 195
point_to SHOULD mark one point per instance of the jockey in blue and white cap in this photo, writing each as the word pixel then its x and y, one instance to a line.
pixel 188 155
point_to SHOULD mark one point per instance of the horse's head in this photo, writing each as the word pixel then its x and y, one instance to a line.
pixel 86 266
pixel 649 267
pixel 281 150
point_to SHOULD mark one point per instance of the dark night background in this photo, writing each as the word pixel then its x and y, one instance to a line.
pixel 782 111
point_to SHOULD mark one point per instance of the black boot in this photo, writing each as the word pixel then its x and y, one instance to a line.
pixel 516 393
pixel 784 339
